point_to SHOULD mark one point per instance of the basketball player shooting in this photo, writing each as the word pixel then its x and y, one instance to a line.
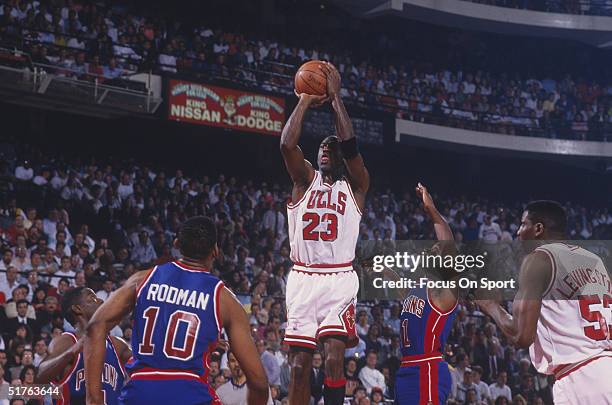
pixel 323 217
pixel 562 310
pixel 179 311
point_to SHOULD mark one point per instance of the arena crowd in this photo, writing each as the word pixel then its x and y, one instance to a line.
pixel 88 41
pixel 65 223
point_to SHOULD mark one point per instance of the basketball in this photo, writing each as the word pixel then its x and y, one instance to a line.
pixel 310 79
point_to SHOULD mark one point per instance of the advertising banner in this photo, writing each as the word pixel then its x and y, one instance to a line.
pixel 204 104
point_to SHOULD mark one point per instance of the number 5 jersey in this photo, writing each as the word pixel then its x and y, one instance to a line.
pixel 575 323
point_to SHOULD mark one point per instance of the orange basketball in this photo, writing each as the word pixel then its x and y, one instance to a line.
pixel 310 79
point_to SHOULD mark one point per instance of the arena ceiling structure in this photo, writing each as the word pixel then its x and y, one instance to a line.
pixel 589 29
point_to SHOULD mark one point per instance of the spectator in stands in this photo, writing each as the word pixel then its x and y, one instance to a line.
pixel 466 386
pixel 65 270
pixel 143 252
pixel 269 362
pixel 21 319
pixel 482 387
pixel 489 231
pixel 234 391
pixel 40 351
pixel 9 282
pixel 369 376
pixel 24 172
pixel 499 388
pixel 317 377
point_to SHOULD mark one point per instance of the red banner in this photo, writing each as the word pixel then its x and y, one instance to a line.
pixel 228 108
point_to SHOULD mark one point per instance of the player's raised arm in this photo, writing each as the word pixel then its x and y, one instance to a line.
pixel 63 352
pixel 358 174
pixel 521 326
pixel 104 319
pixel 238 330
pixel 301 171
pixel 441 227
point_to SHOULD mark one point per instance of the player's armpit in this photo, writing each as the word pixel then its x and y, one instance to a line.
pixel 104 319
pixel 535 275
pixel 237 326
pixel 63 352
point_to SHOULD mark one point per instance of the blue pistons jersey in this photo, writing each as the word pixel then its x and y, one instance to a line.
pixel 113 378
pixel 423 376
pixel 176 326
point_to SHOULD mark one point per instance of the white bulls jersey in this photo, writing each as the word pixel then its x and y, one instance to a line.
pixel 324 227
pixel 575 322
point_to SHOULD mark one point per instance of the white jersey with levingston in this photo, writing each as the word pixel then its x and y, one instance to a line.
pixel 575 323
pixel 324 227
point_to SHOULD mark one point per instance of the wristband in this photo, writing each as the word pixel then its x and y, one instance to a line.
pixel 349 148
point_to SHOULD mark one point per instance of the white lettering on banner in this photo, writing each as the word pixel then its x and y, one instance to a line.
pixel 258 123
pixel 181 111
pixel 260 114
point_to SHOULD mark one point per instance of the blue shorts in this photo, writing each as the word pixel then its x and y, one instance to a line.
pixel 422 383
pixel 152 392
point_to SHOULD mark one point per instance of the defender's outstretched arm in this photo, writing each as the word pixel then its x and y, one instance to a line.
pixel 521 326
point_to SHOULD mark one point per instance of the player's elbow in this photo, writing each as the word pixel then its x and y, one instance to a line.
pixel 285 146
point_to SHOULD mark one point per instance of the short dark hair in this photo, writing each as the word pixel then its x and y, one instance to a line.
pixel 550 213
pixel 71 298
pixel 25 369
pixel 22 301
pixel 197 237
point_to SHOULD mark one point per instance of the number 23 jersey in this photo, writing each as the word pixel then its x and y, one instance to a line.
pixel 324 227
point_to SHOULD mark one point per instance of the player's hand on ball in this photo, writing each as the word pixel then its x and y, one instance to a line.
pixel 312 101
pixel 334 83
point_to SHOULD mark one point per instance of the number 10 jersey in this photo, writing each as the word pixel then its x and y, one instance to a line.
pixel 176 326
